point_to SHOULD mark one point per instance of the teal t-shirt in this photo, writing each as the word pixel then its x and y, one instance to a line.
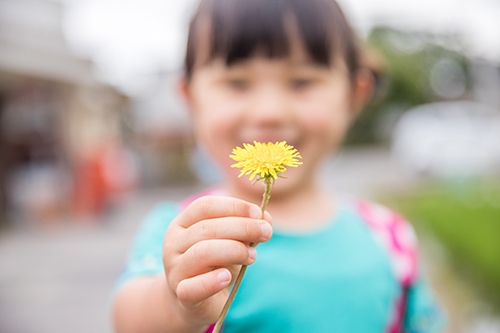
pixel 337 279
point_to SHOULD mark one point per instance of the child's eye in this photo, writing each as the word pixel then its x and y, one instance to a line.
pixel 238 84
pixel 298 84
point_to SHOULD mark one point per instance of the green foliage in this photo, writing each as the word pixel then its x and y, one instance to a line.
pixel 408 59
pixel 466 220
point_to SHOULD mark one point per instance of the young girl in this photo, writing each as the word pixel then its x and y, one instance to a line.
pixel 269 71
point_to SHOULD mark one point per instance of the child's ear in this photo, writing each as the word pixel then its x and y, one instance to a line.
pixel 185 92
pixel 363 89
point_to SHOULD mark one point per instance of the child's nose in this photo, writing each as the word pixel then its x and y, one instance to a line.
pixel 269 106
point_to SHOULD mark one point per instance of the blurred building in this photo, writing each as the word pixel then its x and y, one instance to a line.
pixel 486 82
pixel 162 132
pixel 59 127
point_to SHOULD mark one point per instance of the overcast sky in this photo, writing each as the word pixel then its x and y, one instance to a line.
pixel 129 40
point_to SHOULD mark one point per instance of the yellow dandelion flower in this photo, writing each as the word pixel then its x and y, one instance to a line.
pixel 265 159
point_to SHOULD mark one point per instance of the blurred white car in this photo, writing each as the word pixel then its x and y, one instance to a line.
pixel 448 139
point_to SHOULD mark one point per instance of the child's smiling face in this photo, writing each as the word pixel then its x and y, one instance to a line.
pixel 272 71
pixel 262 99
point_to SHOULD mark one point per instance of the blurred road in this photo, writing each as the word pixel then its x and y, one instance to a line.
pixel 59 278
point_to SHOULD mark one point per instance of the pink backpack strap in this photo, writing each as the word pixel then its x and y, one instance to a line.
pixel 396 235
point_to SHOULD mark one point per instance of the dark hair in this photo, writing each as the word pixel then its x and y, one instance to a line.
pixel 234 30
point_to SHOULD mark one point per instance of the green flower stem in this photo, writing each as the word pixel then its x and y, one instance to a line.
pixel 267 195
pixel 218 325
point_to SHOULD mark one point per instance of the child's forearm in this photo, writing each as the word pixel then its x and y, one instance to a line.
pixel 144 305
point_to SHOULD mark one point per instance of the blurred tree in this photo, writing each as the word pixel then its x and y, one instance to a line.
pixel 407 60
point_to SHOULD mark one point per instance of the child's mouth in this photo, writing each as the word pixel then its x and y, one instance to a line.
pixel 274 136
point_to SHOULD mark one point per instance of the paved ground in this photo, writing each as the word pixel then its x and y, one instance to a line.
pixel 59 279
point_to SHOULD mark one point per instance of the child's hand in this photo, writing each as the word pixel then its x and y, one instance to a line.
pixel 203 250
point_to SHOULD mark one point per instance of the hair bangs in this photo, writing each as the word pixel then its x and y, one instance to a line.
pixel 237 30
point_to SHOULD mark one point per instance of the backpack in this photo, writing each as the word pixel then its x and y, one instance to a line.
pixel 397 237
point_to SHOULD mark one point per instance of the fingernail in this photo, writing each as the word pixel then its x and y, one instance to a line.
pixel 266 230
pixel 252 253
pixel 224 276
pixel 255 212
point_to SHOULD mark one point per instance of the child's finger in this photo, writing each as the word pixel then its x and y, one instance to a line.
pixel 242 229
pixel 214 207
pixel 203 256
pixel 191 292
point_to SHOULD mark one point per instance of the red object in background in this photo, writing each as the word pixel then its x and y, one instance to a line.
pixel 100 177
pixel 89 188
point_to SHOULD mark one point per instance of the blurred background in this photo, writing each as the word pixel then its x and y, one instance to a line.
pixel 93 134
